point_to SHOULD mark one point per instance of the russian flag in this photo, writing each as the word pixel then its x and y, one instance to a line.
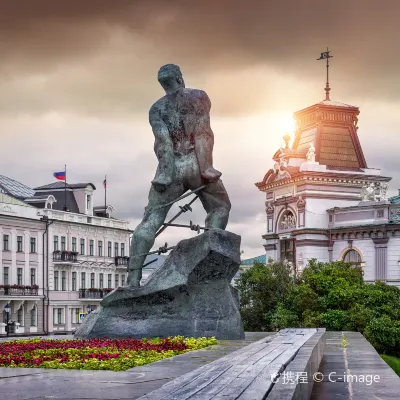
pixel 59 175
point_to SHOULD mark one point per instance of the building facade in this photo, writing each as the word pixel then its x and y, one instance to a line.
pixel 324 202
pixel 71 254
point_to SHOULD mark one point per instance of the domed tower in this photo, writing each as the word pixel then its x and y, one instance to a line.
pixel 325 169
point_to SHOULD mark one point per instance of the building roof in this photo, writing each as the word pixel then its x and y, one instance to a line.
pixel 332 128
pixel 15 188
pixel 62 197
pixel 61 185
pixel 250 261
pixel 333 103
pixel 395 199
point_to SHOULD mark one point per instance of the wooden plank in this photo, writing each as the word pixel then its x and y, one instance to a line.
pixel 244 374
pixel 260 386
pixel 229 373
pixel 218 385
pixel 183 380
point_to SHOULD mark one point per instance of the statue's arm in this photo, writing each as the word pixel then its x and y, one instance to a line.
pixel 204 138
pixel 163 149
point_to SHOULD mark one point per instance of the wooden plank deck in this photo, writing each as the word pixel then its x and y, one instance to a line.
pixel 246 374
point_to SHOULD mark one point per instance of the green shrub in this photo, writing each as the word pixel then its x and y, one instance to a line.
pixel 331 295
pixel 384 334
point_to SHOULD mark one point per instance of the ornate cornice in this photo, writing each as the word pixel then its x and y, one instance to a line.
pixel 324 177
pixel 312 242
pixel 269 236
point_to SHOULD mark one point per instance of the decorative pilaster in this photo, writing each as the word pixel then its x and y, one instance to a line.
pixel 301 210
pixel 330 250
pixel 380 258
pixel 270 216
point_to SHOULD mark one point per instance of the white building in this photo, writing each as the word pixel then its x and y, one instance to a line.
pixel 323 202
pixel 75 256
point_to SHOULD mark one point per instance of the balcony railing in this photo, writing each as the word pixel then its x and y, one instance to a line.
pixel 65 256
pixel 18 290
pixel 93 293
pixel 121 261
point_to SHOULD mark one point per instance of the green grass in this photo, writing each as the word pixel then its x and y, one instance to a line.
pixel 393 362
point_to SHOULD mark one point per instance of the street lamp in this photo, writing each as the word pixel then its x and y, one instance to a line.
pixel 7 310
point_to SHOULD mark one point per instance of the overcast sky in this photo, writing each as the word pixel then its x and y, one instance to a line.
pixel 77 80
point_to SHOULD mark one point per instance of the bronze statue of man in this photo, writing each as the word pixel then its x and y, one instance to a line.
pixel 183 145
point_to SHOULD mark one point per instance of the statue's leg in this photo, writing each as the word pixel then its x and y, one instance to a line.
pixel 144 235
pixel 216 202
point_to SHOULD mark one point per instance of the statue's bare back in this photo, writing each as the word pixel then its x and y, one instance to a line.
pixel 183 145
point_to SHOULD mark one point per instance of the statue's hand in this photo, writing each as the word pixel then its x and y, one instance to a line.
pixel 211 174
pixel 161 182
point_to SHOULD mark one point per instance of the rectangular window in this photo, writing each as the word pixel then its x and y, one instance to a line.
pixel 19 276
pixel 100 248
pixel 33 276
pixel 287 250
pixel 109 281
pixel 74 244
pixel 83 280
pixel 122 280
pixel 91 247
pixel 116 249
pixel 6 279
pixel 77 312
pixel 74 281
pixel 122 249
pixel 63 281
pixel 82 247
pixel 19 244
pixel 101 281
pixel 55 244
pixel 33 245
pixel 92 280
pixel 109 254
pixel 116 280
pixel 63 243
pixel 55 280
pixel 59 316
pixel 6 242
pixel 88 202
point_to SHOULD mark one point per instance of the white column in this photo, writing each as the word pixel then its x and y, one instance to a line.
pixel 50 319
pixel 67 312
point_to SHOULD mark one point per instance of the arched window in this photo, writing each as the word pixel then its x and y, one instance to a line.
pixel 352 256
pixel 20 316
pixel 33 316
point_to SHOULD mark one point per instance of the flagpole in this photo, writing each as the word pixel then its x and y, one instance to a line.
pixel 65 188
pixel 327 88
pixel 105 196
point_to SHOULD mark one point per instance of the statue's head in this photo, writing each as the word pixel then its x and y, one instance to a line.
pixel 170 78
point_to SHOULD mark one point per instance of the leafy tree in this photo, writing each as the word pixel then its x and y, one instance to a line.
pixel 262 288
pixel 331 295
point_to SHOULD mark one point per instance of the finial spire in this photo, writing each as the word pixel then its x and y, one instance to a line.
pixel 325 56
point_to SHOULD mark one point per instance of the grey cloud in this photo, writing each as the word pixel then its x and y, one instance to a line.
pixel 103 58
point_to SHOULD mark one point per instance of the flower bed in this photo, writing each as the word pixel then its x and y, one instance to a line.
pixel 106 354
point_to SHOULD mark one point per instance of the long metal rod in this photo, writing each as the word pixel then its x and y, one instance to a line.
pixel 150 262
pixel 180 198
pixel 192 226
pixel 159 251
pixel 185 208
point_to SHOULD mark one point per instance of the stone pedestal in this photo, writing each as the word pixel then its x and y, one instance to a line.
pixel 189 295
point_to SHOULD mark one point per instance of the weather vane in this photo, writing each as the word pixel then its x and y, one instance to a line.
pixel 325 56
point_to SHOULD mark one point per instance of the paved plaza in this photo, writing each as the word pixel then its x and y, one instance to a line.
pixel 41 384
